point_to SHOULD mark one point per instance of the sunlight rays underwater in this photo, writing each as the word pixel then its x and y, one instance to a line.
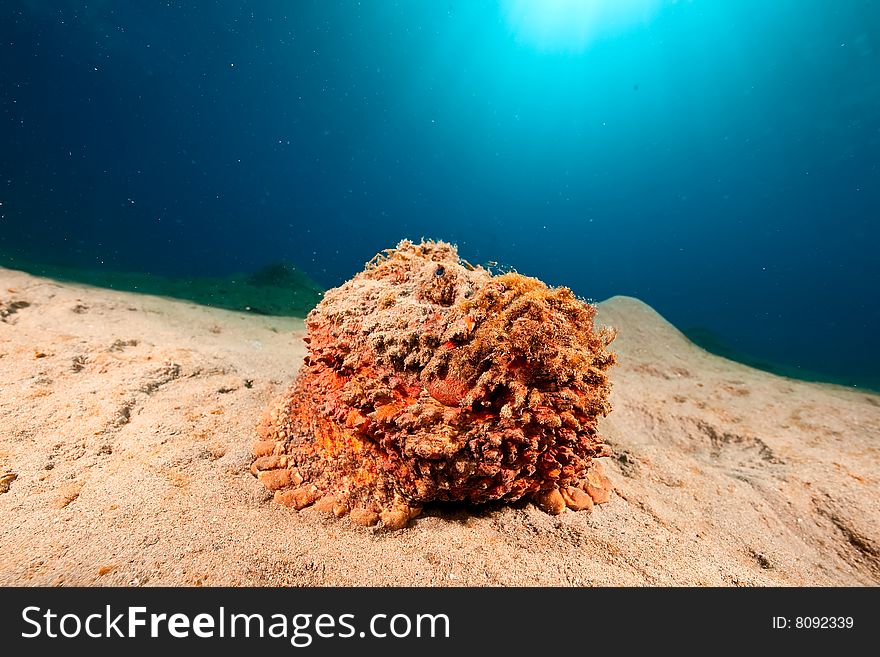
pixel 572 25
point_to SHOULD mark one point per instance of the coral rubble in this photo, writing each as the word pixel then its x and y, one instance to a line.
pixel 428 379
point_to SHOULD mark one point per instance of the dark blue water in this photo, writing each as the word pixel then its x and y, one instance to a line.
pixel 719 160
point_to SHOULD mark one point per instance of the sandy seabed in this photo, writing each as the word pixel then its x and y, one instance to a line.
pixel 126 423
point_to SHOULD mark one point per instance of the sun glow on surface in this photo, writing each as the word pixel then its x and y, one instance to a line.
pixel 571 25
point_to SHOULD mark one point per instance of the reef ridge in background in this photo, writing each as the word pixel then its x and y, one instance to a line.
pixel 278 289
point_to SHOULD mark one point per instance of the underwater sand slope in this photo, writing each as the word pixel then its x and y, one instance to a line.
pixel 126 423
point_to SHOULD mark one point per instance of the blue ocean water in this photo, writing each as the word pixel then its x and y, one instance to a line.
pixel 719 160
